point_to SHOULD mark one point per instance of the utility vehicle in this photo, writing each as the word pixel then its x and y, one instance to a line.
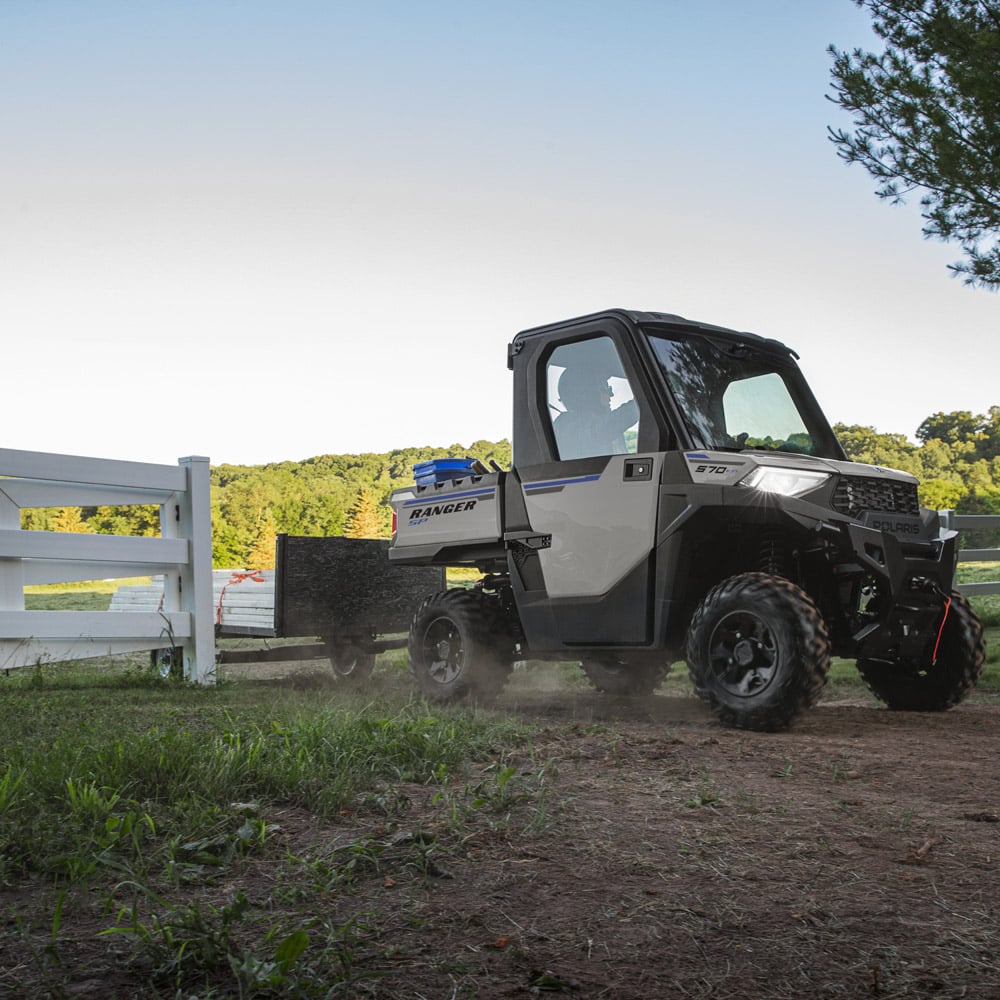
pixel 677 494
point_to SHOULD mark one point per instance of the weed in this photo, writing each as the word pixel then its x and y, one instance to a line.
pixel 842 769
pixel 183 942
pixel 10 785
pixel 786 771
pixel 706 794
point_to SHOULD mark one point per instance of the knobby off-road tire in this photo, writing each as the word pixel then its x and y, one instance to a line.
pixel 615 675
pixel 458 648
pixel 350 663
pixel 758 651
pixel 910 686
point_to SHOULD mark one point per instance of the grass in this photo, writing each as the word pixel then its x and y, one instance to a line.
pixel 116 768
pixel 988 605
pixel 82 595
pixel 139 795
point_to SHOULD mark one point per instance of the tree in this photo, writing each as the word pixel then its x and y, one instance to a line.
pixel 133 519
pixel 959 425
pixel 938 494
pixel 260 554
pixel 363 519
pixel 68 519
pixel 978 433
pixel 926 118
pixel 865 444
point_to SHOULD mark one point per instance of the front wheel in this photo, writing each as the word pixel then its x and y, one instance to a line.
pixel 457 647
pixel 933 685
pixel 615 675
pixel 758 651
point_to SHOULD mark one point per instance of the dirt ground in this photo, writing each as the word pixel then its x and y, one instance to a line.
pixel 638 850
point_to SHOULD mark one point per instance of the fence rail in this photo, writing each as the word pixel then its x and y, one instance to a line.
pixel 974 522
pixel 182 553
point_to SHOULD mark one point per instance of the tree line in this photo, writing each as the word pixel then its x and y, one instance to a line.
pixel 956 458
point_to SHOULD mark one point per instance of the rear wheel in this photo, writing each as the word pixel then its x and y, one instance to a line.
pixel 457 648
pixel 758 651
pixel 616 675
pixel 910 686
pixel 350 662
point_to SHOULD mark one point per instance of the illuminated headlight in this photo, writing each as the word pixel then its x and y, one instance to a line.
pixel 786 482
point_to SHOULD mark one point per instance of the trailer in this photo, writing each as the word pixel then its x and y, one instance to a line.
pixel 341 592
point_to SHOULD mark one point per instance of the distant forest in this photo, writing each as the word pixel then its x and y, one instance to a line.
pixel 957 460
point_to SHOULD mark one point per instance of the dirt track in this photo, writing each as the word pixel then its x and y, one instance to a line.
pixel 854 856
pixel 660 855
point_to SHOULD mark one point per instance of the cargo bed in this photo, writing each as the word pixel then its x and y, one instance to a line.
pixel 343 591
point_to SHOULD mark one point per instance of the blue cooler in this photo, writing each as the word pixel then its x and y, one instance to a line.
pixel 443 470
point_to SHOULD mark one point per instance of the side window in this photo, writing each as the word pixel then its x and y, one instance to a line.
pixel 590 401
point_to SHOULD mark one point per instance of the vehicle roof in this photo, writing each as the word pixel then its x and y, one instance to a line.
pixel 633 317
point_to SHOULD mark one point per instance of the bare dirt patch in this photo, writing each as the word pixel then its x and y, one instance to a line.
pixel 635 850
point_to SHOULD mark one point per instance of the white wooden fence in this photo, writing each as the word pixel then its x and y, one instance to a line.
pixel 974 522
pixel 182 553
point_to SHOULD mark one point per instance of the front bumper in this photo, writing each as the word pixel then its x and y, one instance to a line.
pixel 910 580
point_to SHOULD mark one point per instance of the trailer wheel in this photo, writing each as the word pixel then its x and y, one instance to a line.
pixel 457 648
pixel 909 686
pixel 758 651
pixel 615 675
pixel 350 662
pixel 168 663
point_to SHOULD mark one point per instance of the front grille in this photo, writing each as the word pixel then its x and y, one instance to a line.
pixel 856 494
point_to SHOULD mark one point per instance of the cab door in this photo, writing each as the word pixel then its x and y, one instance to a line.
pixel 584 551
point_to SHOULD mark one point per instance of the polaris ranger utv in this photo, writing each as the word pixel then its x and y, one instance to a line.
pixel 676 493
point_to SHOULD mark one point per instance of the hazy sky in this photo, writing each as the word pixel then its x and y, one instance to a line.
pixel 263 231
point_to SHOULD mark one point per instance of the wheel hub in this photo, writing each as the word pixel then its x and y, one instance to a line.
pixel 743 653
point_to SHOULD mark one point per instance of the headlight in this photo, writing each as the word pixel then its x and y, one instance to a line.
pixel 786 482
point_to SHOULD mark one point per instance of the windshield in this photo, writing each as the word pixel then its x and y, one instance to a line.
pixel 734 396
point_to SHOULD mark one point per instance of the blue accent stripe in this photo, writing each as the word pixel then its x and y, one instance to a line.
pixel 550 483
pixel 449 497
pixel 696 454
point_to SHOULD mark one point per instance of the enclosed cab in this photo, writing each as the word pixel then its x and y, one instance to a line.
pixel 676 493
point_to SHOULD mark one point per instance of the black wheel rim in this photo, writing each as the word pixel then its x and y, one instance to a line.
pixel 743 654
pixel 443 650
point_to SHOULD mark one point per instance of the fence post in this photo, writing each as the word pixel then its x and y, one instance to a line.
pixel 945 518
pixel 11 570
pixel 194 522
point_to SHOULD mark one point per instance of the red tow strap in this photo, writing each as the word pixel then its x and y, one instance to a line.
pixel 258 577
pixel 947 608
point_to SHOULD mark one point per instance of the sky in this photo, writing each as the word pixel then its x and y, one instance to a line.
pixel 262 231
